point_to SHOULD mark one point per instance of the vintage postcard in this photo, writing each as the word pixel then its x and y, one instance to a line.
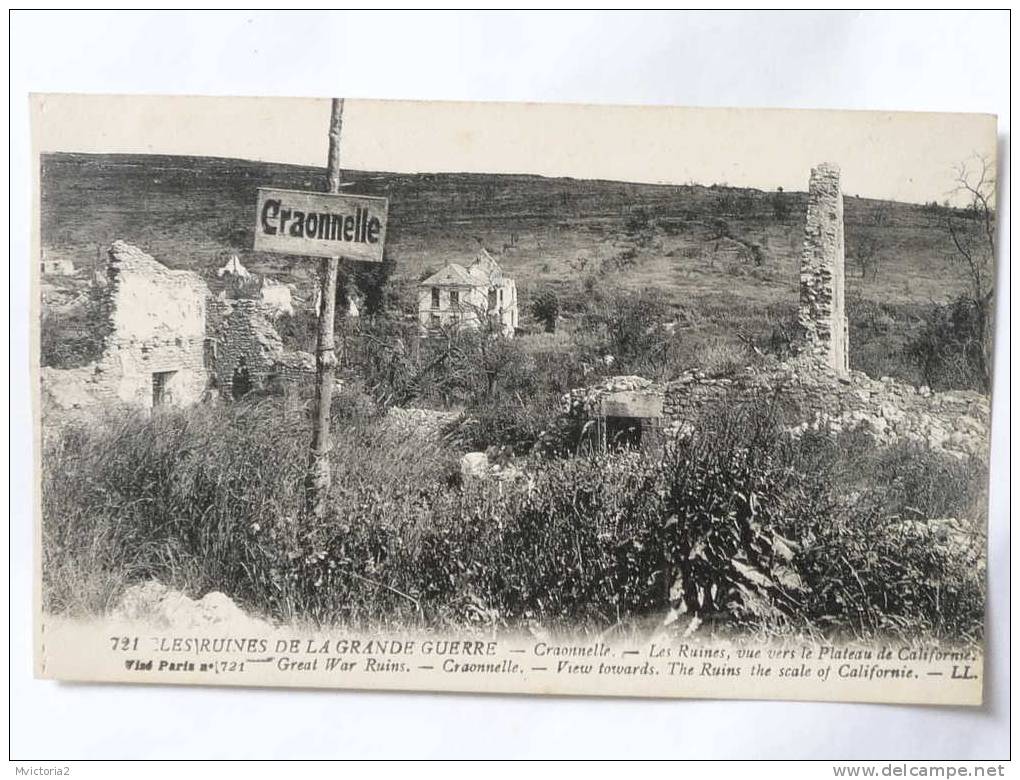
pixel 554 399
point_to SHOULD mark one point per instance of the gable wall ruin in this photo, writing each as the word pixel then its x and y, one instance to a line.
pixel 154 352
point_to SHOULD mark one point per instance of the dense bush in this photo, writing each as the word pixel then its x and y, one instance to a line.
pixel 456 366
pixel 628 326
pixel 880 335
pixel 75 336
pixel 298 330
pixel 368 284
pixel 545 307
pixel 949 348
pixel 738 523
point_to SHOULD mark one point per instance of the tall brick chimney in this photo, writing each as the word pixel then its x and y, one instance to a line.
pixel 822 274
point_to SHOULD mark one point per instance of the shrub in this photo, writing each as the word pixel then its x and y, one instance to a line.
pixel 628 326
pixel 517 423
pixel 780 205
pixel 723 357
pixel 546 309
pixel 949 349
pixel 352 402
pixel 368 284
pixel 73 337
pixel 782 332
pixel 298 330
pixel 867 573
pixel 637 220
pixel 457 366
pixel 880 334
pixel 729 491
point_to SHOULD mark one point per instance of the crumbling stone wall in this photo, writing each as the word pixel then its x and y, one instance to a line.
pixel 158 318
pixel 955 423
pixel 241 284
pixel 624 408
pixel 247 343
pixel 154 352
pixel 822 313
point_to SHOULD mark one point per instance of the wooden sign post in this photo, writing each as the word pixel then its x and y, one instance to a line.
pixel 319 476
pixel 329 226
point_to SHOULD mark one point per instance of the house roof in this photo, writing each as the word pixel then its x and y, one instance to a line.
pixel 483 272
pixel 453 275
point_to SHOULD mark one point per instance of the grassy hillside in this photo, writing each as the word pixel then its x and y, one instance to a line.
pixel 188 211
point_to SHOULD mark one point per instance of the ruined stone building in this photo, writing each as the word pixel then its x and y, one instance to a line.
pixel 249 353
pixel 156 351
pixel 816 388
pixel 168 342
pixel 155 348
pixel 55 266
pixel 461 296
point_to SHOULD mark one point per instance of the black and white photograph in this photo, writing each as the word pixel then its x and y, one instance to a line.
pixel 632 401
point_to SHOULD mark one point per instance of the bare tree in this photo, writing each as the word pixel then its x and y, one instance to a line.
pixel 972 232
pixel 865 250
pixel 780 205
pixel 880 214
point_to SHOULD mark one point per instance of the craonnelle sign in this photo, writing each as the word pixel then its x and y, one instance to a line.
pixel 292 222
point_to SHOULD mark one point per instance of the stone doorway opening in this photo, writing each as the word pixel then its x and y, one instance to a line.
pixel 161 393
pixel 623 433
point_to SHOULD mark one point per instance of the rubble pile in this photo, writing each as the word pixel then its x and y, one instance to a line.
pixel 157 605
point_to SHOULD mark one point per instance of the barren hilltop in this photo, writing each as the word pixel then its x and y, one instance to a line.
pixel 681 239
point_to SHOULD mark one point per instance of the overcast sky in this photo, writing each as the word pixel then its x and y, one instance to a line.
pixel 900 156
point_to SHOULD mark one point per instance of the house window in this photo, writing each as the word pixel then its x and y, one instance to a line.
pixel 435 297
pixel 492 299
pixel 454 298
pixel 434 320
pixel 500 297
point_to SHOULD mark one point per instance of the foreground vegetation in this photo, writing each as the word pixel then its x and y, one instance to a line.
pixel 738 524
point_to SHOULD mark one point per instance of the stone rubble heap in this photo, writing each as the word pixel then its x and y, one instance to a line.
pixel 478 465
pixel 420 423
pixel 955 423
pixel 156 605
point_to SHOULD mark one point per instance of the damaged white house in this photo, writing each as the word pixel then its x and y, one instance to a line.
pixel 465 296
